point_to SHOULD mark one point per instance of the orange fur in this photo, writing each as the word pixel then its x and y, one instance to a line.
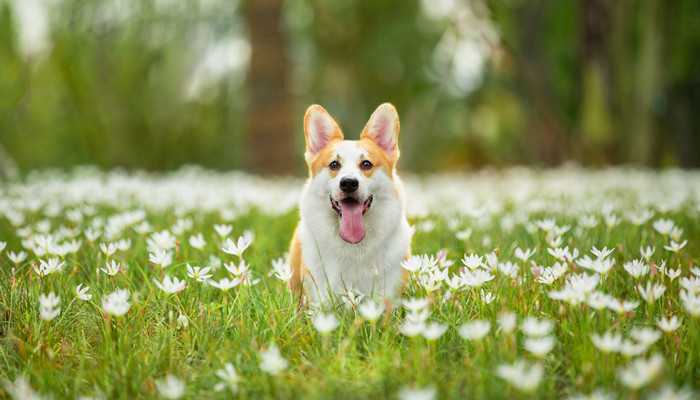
pixel 299 270
pixel 324 158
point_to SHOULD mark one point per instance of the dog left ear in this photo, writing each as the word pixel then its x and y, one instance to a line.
pixel 383 129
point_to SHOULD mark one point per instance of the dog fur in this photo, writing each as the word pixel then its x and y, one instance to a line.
pixel 330 255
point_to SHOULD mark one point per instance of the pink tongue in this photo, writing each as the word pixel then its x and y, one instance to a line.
pixel 352 227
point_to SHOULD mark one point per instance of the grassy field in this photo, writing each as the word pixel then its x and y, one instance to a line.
pixel 525 284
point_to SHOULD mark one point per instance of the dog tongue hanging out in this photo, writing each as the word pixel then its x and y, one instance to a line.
pixel 353 233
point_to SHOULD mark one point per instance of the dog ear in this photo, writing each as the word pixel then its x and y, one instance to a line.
pixel 319 128
pixel 383 129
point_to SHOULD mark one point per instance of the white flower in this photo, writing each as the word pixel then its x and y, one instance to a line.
pixel 116 303
pixel 161 257
pixel 641 371
pixel 223 230
pixel 464 235
pixel 225 283
pixel 143 228
pixel 271 360
pixel 645 336
pixel 546 225
pixel 229 378
pixel 108 249
pixel 434 330
pixel 170 387
pixel 651 293
pixel 608 343
pixel 536 328
pixel 325 323
pixel 475 278
pixel 17 258
pixel 584 283
pixel 588 221
pixel 472 261
pixel 540 347
pixel 412 328
pixel 412 264
pixel 112 268
pixel 48 306
pixel 430 281
pixel 508 321
pixel 370 310
pixel 20 389
pixel 521 376
pixel 508 268
pixel 122 244
pixel 647 253
pixel 199 275
pixel 676 247
pixel 691 284
pixel 636 268
pixel 197 241
pixel 414 304
pixel 236 248
pixel 182 321
pixel 602 253
pixel 487 298
pixel 668 325
pixel 569 294
pixel 668 392
pixel 562 255
pixel 691 302
pixel 611 221
pixel 598 300
pixel 46 268
pixel 663 226
pixel 351 298
pixel 92 234
pixel 621 306
pixel 171 285
pixel 671 273
pixel 676 233
pixel 81 292
pixel 163 240
pixel 237 270
pixel 283 271
pixel 524 255
pixel 474 330
pixel 417 394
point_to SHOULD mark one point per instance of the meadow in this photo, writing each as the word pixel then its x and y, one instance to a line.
pixel 524 283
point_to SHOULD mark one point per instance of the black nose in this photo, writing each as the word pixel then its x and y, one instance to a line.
pixel 348 184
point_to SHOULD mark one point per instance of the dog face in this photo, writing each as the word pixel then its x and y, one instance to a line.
pixel 353 177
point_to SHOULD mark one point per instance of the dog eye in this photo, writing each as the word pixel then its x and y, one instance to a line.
pixel 334 165
pixel 366 165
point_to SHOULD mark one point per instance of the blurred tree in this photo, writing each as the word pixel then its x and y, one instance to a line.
pixel 158 83
pixel 269 110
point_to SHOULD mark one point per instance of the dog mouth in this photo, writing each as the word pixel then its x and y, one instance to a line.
pixel 351 213
pixel 351 202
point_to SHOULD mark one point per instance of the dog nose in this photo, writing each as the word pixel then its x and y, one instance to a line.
pixel 348 184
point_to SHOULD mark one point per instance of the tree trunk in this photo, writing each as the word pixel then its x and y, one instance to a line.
pixel 269 119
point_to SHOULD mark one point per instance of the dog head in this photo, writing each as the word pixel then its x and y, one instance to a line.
pixel 353 175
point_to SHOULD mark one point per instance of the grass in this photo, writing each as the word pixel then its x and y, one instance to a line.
pixel 87 352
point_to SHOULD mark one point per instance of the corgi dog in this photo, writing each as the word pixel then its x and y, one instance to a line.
pixel 353 233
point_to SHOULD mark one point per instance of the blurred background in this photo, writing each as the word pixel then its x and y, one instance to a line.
pixel 155 84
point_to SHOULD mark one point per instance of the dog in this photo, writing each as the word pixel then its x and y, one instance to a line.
pixel 353 233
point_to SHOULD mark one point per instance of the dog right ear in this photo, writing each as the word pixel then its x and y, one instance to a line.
pixel 320 128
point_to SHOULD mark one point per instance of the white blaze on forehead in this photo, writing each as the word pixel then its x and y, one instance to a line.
pixel 350 153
